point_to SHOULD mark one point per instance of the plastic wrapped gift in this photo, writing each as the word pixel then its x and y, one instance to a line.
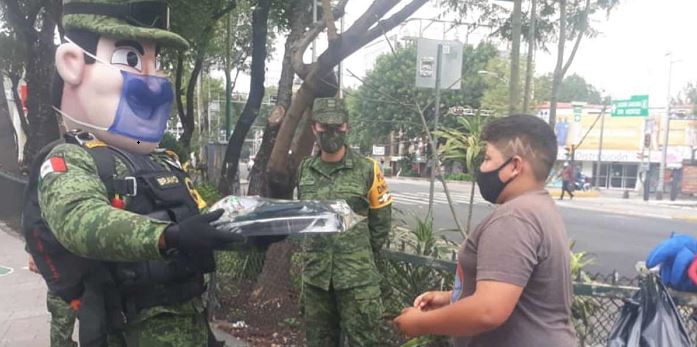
pixel 257 216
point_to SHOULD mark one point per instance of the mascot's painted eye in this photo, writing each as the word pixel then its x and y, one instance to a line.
pixel 127 56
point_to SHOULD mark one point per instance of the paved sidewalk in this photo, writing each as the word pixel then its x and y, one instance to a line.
pixel 24 319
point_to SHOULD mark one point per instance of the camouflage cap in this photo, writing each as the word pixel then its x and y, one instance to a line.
pixel 329 111
pixel 123 19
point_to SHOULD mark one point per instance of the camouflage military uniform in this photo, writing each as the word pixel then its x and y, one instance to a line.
pixel 62 321
pixel 76 207
pixel 341 282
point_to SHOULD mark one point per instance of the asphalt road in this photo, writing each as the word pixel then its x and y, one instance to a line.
pixel 616 241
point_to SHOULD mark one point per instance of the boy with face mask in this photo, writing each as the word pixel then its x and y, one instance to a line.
pixel 341 281
pixel 513 284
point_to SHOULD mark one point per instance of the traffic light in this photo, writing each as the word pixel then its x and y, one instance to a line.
pixel 647 140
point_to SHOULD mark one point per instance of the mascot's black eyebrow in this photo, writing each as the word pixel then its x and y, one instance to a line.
pixel 131 43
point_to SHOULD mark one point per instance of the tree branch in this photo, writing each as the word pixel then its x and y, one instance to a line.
pixel 581 33
pixel 393 21
pixel 223 11
pixel 178 86
pixel 329 20
pixel 298 49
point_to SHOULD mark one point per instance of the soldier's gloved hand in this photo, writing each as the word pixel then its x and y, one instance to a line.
pixel 675 255
pixel 196 234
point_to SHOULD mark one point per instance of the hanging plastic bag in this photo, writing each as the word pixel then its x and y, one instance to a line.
pixel 649 319
pixel 254 216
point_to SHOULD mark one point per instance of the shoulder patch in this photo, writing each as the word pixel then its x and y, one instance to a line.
pixel 51 165
pixel 379 195
pixel 94 143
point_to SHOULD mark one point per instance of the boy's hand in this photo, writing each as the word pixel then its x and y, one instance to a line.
pixel 407 322
pixel 432 300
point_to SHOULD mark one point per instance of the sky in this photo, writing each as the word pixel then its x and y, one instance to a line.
pixel 627 58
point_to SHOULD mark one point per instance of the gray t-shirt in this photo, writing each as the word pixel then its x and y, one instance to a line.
pixel 523 242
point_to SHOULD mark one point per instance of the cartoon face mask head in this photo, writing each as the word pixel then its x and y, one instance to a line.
pixel 115 90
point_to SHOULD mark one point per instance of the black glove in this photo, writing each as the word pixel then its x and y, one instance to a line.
pixel 195 234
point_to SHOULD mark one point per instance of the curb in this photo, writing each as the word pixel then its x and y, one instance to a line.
pixel 577 194
pixel 687 218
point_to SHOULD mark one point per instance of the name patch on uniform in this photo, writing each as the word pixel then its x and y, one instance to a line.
pixel 53 164
pixel 167 181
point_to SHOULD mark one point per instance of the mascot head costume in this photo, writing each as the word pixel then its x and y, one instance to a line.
pixel 108 79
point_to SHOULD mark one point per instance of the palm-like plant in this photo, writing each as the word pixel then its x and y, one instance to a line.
pixel 464 144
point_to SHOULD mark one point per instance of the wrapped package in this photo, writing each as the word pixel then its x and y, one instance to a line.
pixel 256 216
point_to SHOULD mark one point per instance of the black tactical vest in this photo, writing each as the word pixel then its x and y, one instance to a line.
pixel 163 193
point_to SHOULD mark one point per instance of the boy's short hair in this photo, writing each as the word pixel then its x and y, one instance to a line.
pixel 526 136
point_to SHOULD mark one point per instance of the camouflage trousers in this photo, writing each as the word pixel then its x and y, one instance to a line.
pixel 351 314
pixel 62 321
pixel 164 330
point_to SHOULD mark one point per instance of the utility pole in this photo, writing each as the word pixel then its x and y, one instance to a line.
pixel 228 86
pixel 600 151
pixel 514 88
pixel 531 52
pixel 434 151
pixel 666 134
pixel 314 20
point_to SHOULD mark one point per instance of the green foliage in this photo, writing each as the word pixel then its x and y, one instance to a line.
pixel 583 308
pixel 407 281
pixel 170 142
pixel 209 193
pixel 459 177
pixel 463 143
pixel 573 88
pixel 387 99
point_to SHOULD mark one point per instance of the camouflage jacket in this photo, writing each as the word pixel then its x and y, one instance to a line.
pixel 347 259
pixel 75 204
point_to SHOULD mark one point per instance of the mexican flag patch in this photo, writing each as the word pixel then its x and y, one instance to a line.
pixel 54 164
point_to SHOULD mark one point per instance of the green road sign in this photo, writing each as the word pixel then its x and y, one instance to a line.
pixel 578 110
pixel 637 106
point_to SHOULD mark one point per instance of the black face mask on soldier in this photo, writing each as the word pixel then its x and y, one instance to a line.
pixel 490 185
pixel 331 139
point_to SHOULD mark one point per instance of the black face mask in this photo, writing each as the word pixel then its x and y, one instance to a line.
pixel 490 185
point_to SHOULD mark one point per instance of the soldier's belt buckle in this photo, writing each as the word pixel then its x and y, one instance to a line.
pixel 131 186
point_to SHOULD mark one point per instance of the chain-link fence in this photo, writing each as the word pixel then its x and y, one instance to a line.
pixel 262 309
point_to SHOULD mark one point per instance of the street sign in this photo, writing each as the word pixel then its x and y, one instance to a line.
pixel 578 110
pixel 426 61
pixel 636 106
pixel 378 150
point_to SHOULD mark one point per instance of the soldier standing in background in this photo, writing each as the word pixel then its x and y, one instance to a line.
pixel 341 281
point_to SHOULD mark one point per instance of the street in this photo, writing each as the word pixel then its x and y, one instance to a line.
pixel 616 237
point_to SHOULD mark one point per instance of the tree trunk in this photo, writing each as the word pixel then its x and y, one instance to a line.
pixel 188 122
pixel 8 137
pixel 531 53
pixel 558 71
pixel 514 87
pixel 257 180
pixel 256 94
pixel 43 125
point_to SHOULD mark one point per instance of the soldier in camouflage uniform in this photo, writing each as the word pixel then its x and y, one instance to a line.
pixel 341 282
pixel 109 84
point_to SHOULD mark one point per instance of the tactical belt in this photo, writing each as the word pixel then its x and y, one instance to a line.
pixel 171 294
